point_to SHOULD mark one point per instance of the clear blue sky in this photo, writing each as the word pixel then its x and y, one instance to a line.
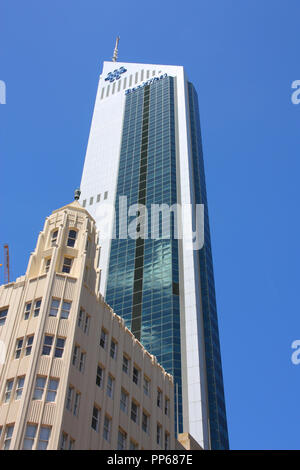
pixel 242 56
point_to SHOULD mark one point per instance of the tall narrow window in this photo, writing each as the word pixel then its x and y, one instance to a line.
pixel 76 404
pixel 63 441
pixel 80 318
pixel 27 311
pixel 44 437
pixel 82 361
pixel 47 264
pixel 39 388
pixel 54 237
pixel 19 387
pixel 19 346
pixel 110 386
pixel 28 346
pixel 159 398
pixel 8 390
pixel 59 348
pixel 122 437
pixel 75 355
pixel 167 441
pixel 167 406
pixel 8 436
pixel 103 339
pixel 52 390
pixel 158 434
pixel 134 412
pixel 99 376
pixel 136 375
pixel 65 310
pixel 145 422
pixel 3 315
pixel 37 307
pixel 106 428
pixel 124 401
pixel 72 238
pixel 96 418
pixel 113 349
pixel 69 402
pixel 54 307
pixel 146 386
pixel 30 434
pixel 67 265
pixel 48 341
pixel 125 365
pixel 87 324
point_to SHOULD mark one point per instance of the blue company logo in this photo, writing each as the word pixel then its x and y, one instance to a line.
pixel 115 75
pixel 148 82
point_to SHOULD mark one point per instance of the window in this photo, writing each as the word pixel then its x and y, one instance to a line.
pixel 167 441
pixel 67 265
pixel 54 308
pixel 72 238
pixel 107 428
pixel 122 437
pixel 8 390
pixel 59 348
pixel 110 386
pixel 27 310
pixel 96 418
pixel 70 398
pixel 44 437
pixel 63 441
pixel 103 338
pixel 91 200
pixel 3 315
pixel 52 390
pixel 82 361
pixel 8 436
pixel 71 443
pixel 105 194
pixel 76 404
pixel 39 388
pixel 100 376
pixel 19 387
pixel 80 318
pixel 30 434
pixel 87 324
pixel 75 355
pixel 158 434
pixel 134 412
pixel 125 366
pixel 124 401
pixel 54 237
pixel 37 307
pixel 65 310
pixel 167 406
pixel 133 445
pixel 145 422
pixel 136 375
pixel 146 386
pixel 47 345
pixel 84 203
pixel 159 398
pixel 113 349
pixel 98 197
pixel 47 264
pixel 28 347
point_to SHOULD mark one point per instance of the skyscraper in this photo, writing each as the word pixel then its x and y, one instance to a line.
pixel 145 149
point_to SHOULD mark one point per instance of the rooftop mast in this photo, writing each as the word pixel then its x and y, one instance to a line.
pixel 115 56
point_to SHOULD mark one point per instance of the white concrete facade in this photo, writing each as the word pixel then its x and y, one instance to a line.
pixel 100 175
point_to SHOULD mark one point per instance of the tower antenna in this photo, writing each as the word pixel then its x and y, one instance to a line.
pixel 115 56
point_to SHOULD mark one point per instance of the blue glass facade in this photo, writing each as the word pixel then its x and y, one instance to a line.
pixel 143 278
pixel 216 401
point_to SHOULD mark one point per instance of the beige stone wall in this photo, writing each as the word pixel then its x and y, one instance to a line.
pixel 78 288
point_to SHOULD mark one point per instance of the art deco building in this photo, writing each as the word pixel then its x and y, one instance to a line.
pixel 144 149
pixel 73 376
